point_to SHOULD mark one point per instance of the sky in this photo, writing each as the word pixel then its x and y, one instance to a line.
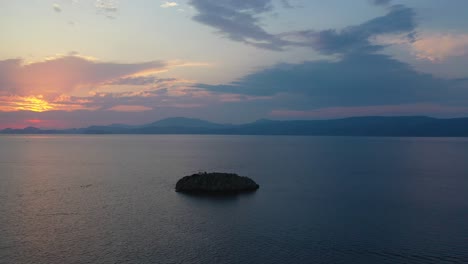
pixel 76 63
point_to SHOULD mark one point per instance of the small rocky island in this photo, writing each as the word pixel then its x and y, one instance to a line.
pixel 216 183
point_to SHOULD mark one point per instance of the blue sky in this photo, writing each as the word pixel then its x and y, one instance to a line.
pixel 73 63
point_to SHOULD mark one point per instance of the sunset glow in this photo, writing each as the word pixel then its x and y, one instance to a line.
pixel 351 114
pixel 28 103
pixel 35 104
pixel 88 62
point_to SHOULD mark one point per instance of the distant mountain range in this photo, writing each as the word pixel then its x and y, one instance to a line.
pixel 402 126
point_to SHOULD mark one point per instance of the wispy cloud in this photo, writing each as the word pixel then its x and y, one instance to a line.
pixel 168 4
pixel 140 80
pixel 238 21
pixel 57 8
pixel 130 108
pixel 107 5
pixel 381 2
pixel 286 4
pixel 107 8
pixel 352 39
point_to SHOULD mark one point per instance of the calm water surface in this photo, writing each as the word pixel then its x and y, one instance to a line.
pixel 111 199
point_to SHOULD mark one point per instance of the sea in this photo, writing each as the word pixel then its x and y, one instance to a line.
pixel 111 199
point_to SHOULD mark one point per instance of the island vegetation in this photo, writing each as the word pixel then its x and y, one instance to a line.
pixel 216 183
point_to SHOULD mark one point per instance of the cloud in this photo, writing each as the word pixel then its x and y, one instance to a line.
pixel 107 8
pixel 439 46
pixel 168 4
pixel 381 2
pixel 359 77
pixel 356 79
pixel 106 5
pixel 130 108
pixel 133 108
pixel 358 38
pixel 15 103
pixel 286 4
pixel 56 8
pixel 431 46
pixel 74 82
pixel 238 20
pixel 65 74
pixel 140 80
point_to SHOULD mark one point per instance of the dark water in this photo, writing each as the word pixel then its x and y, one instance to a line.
pixel 110 199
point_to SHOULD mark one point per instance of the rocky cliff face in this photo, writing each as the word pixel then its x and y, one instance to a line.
pixel 216 182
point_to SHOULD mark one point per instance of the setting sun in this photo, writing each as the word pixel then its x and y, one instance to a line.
pixel 233 131
pixel 32 103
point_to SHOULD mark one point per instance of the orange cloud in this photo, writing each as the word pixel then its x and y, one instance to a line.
pixel 76 82
pixel 26 103
pixel 39 104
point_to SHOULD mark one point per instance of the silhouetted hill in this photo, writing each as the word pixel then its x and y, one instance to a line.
pixel 183 122
pixel 26 130
pixel 362 126
pixel 406 126
pixel 173 125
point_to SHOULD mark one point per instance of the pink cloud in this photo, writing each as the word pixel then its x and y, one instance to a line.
pixel 65 74
pixel 437 47
pixel 430 46
pixel 130 108
pixel 74 82
pixel 22 123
